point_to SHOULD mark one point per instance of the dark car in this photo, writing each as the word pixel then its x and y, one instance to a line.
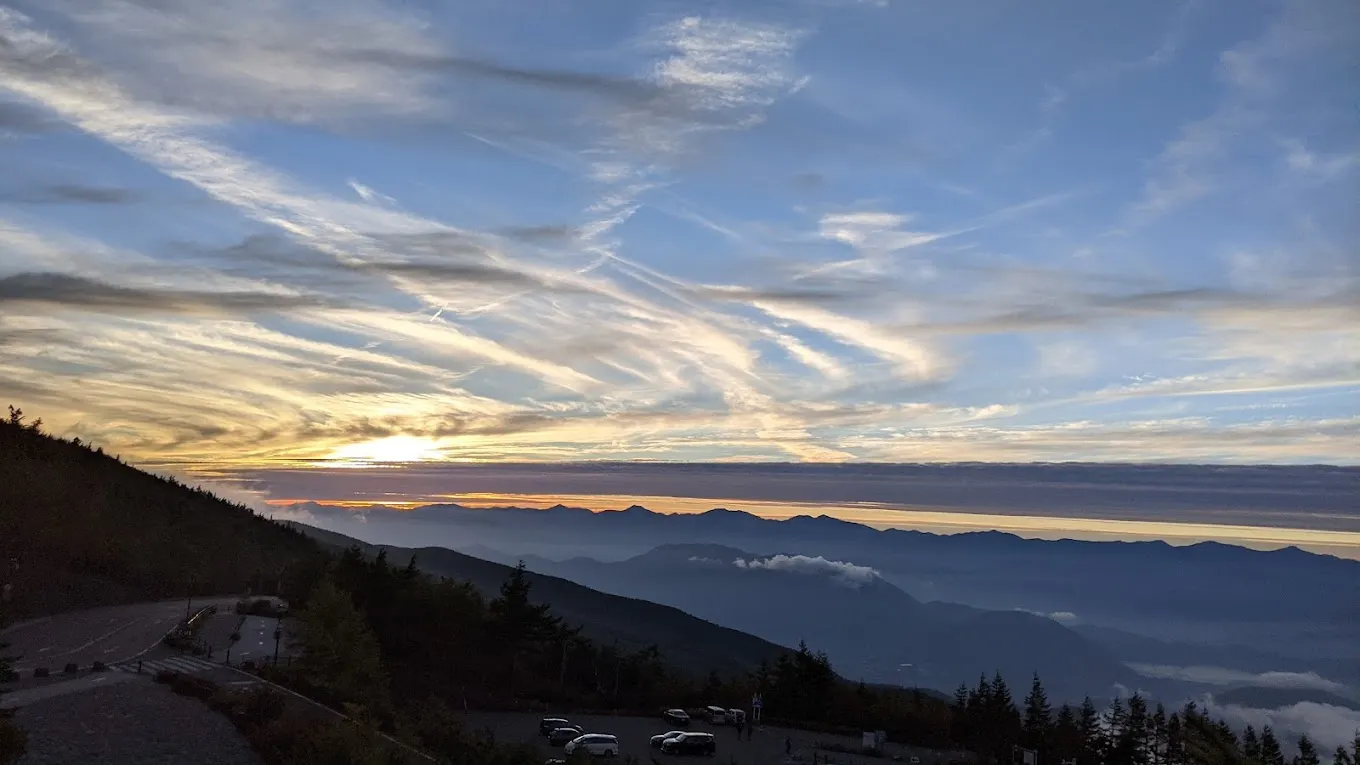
pixel 560 736
pixel 691 743
pixel 547 724
pixel 677 717
pixel 657 740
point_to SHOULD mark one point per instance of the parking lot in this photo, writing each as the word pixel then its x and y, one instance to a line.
pixel 766 746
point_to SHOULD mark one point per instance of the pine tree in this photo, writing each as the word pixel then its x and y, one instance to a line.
pixel 1066 735
pixel 1342 757
pixel 1038 720
pixel 961 698
pixel 339 652
pixel 959 729
pixel 1092 741
pixel 1251 746
pixel 1307 752
pixel 1003 719
pixel 1270 748
pixel 1113 729
pixel 1135 734
pixel 1158 742
pixel 519 626
pixel 1175 740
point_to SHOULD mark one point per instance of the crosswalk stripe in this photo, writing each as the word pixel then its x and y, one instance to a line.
pixel 183 665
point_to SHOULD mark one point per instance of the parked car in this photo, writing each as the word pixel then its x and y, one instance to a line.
pixel 560 736
pixel 736 717
pixel 717 715
pixel 656 740
pixel 677 717
pixel 594 744
pixel 549 724
pixel 691 743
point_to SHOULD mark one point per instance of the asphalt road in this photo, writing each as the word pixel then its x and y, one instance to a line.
pixel 109 634
pixel 257 640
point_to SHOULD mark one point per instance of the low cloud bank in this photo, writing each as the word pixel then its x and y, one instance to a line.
pixel 1061 617
pixel 1222 676
pixel 845 573
pixel 1327 725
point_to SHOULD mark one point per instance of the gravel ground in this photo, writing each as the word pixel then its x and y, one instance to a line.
pixel 130 723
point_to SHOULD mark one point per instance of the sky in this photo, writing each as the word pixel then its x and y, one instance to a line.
pixel 276 234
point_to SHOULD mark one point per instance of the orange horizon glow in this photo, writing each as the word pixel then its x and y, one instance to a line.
pixel 1343 544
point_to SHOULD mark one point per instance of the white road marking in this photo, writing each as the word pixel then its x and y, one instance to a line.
pixel 45 650
pixel 101 638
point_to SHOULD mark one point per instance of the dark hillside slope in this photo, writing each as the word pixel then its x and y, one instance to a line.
pixel 688 642
pixel 85 529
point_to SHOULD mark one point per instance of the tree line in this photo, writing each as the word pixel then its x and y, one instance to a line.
pixel 1127 732
pixel 396 641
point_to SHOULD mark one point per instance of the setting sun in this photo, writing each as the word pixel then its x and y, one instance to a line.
pixel 390 449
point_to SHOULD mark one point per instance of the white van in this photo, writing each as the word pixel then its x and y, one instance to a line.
pixel 736 717
pixel 594 744
pixel 717 715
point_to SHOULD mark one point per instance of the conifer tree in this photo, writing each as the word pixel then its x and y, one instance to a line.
pixel 1158 742
pixel 1092 740
pixel 1175 740
pixel 1113 740
pixel 1270 748
pixel 1038 719
pixel 1135 734
pixel 1307 752
pixel 520 626
pixel 339 652
pixel 1066 735
pixel 1251 746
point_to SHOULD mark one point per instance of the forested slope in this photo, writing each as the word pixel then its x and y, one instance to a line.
pixel 78 527
pixel 690 643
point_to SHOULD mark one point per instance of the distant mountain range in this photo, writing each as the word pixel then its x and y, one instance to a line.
pixel 1142 602
pixel 870 627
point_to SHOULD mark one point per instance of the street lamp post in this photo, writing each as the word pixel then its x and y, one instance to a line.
pixel 278 633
